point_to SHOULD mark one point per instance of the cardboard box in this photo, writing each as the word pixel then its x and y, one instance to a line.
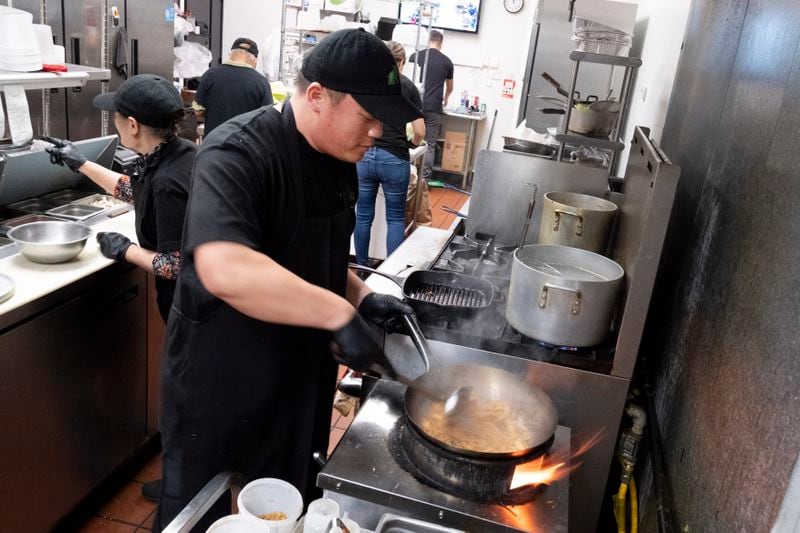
pixel 453 156
pixel 455 137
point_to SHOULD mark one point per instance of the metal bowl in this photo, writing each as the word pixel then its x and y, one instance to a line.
pixel 50 242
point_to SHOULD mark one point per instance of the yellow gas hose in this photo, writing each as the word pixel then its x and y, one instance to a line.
pixel 619 507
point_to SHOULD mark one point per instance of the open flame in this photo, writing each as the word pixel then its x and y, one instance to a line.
pixel 549 468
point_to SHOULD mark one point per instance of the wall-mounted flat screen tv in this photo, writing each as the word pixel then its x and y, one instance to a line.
pixel 456 15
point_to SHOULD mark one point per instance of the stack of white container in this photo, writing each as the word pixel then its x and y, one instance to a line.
pixel 25 46
pixel 595 38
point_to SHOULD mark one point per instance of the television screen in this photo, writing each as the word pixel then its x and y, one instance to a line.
pixel 457 15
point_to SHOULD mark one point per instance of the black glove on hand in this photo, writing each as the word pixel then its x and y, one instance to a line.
pixel 385 311
pixel 360 349
pixel 113 245
pixel 64 153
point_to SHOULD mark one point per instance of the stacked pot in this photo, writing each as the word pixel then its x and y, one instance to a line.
pixel 563 290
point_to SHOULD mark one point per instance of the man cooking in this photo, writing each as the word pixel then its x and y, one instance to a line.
pixel 248 377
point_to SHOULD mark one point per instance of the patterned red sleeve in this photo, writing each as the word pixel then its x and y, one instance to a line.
pixel 167 264
pixel 123 191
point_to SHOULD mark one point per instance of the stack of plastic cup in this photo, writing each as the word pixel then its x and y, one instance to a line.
pixel 267 496
pixel 319 515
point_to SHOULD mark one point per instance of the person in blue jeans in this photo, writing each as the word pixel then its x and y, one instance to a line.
pixel 387 164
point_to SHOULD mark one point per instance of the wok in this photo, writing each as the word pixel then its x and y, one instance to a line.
pixel 506 417
pixel 441 294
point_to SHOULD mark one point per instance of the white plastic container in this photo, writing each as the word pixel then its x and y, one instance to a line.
pixel 19 50
pixel 237 523
pixel 44 38
pixel 270 495
pixel 319 515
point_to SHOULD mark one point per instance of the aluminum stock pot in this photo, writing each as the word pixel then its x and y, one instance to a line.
pixel 561 295
pixel 577 220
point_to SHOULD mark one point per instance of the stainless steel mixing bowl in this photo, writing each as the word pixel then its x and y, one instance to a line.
pixel 50 242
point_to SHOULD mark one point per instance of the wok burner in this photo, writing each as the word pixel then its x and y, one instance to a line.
pixel 480 480
pixel 368 474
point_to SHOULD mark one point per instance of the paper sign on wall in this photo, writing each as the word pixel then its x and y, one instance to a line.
pixel 508 88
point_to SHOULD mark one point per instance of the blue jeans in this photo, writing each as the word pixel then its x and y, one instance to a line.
pixel 379 167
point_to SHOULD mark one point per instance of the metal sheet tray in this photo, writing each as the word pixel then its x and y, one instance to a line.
pixel 89 200
pixel 33 205
pixel 392 523
pixel 75 211
pixel 66 195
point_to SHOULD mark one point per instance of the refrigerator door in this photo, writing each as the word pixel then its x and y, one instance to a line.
pixel 551 55
pixel 84 26
pixel 150 31
pixel 48 107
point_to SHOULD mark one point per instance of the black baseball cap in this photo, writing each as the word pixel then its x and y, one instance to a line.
pixel 150 99
pixel 359 64
pixel 248 45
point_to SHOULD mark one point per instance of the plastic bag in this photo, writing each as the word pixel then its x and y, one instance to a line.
pixel 271 57
pixel 191 60
pixel 181 29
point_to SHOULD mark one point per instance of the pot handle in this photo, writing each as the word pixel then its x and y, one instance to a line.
pixel 557 220
pixel 576 301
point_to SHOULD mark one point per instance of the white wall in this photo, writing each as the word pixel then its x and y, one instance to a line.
pixel 254 19
pixel 660 28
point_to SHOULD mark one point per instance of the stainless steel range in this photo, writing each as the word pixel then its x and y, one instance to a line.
pixel 588 385
pixel 370 474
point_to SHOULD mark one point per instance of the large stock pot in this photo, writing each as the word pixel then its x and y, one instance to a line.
pixel 561 295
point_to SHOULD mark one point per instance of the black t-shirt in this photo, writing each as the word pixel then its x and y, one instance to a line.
pixel 439 70
pixel 394 139
pixel 229 90
pixel 244 191
pixel 160 195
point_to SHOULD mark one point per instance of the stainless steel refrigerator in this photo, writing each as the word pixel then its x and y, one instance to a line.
pixel 88 30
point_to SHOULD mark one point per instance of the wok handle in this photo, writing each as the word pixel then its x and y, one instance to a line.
pixel 415 332
pixel 557 220
pixel 576 302
pixel 363 268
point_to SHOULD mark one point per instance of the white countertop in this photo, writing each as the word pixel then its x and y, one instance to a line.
pixel 416 253
pixel 34 280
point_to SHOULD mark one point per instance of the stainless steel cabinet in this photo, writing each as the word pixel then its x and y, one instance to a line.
pixel 73 396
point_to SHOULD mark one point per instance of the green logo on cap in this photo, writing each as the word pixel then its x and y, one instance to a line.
pixel 394 77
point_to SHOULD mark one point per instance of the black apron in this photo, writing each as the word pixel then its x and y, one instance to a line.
pixel 273 385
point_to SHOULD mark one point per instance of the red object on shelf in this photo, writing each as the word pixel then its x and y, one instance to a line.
pixel 54 68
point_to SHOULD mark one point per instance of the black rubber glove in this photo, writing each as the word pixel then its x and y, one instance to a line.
pixel 64 153
pixel 360 349
pixel 385 311
pixel 113 245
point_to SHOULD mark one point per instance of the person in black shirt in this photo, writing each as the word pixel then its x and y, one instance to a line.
pixel 232 88
pixel 147 110
pixel 387 165
pixel 248 378
pixel 438 78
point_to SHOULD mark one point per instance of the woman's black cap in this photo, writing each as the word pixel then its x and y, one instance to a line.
pixel 359 64
pixel 151 100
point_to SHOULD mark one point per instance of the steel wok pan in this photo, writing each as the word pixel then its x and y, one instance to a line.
pixel 530 414
pixel 470 294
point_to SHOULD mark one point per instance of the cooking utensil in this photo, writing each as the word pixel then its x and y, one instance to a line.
pixel 491 130
pixel 553 100
pixel 562 295
pixel 441 294
pixel 452 211
pixel 457 189
pixel 551 110
pixel 486 247
pixel 529 415
pixel 529 147
pixel 577 220
pixel 50 242
pixel 596 119
pixel 561 90
pixel 528 215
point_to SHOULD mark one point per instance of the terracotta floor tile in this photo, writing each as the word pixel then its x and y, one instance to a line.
pixel 101 525
pixel 336 436
pixel 128 505
pixel 344 421
pixel 150 472
pixel 342 371
pixel 148 524
pixel 335 417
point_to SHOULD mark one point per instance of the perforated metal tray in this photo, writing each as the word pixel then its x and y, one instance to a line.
pixel 75 211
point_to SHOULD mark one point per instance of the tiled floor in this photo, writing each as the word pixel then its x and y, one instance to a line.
pixel 128 511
